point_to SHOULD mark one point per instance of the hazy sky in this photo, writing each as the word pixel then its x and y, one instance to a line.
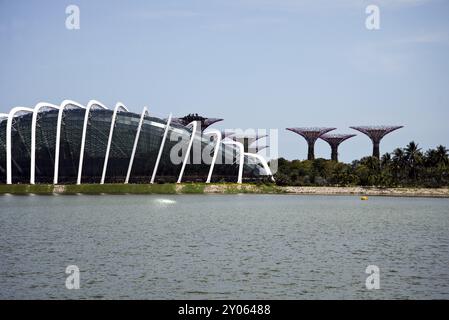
pixel 257 64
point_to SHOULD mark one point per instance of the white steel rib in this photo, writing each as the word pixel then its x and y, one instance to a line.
pixel 64 105
pixel 37 109
pixel 136 141
pixel 91 105
pixel 186 157
pixel 118 108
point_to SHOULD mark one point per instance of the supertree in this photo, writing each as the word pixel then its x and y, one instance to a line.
pixel 311 135
pixel 376 133
pixel 334 141
pixel 249 142
pixel 205 122
pixel 247 139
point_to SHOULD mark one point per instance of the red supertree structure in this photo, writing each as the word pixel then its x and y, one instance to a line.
pixel 205 122
pixel 311 135
pixel 376 133
pixel 334 141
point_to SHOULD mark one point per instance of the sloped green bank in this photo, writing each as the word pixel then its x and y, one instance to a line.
pixel 26 188
pixel 167 188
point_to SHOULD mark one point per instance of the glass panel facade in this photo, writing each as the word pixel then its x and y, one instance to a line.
pixel 167 170
pixel 45 146
pixel 70 145
pixel 126 125
pixel 21 148
pixel 97 134
pixel 146 153
pixel 3 150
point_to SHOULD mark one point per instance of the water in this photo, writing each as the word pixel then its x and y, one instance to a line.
pixel 223 246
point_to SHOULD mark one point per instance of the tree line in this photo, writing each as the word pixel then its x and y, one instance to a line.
pixel 404 167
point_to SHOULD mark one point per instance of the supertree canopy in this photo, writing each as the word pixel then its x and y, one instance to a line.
pixel 205 122
pixel 250 141
pixel 376 133
pixel 311 135
pixel 334 141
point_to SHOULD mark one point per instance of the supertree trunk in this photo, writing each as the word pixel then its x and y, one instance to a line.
pixel 376 149
pixel 311 135
pixel 334 140
pixel 311 151
pixel 334 154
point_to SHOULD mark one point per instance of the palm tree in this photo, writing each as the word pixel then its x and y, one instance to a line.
pixel 431 158
pixel 385 160
pixel 398 163
pixel 441 155
pixel 413 156
pixel 398 157
pixel 437 157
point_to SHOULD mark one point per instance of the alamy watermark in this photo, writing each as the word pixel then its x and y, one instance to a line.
pixel 373 280
pixel 72 21
pixel 73 280
pixel 263 142
pixel 372 21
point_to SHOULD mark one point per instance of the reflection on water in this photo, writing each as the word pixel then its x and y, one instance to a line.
pixel 223 246
pixel 164 201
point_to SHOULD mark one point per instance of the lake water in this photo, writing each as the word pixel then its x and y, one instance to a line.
pixel 223 246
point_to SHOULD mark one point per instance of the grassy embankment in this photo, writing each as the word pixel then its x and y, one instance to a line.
pixel 168 188
pixel 218 188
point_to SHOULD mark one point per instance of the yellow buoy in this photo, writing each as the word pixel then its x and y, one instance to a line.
pixel 364 198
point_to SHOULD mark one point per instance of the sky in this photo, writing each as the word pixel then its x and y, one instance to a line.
pixel 268 64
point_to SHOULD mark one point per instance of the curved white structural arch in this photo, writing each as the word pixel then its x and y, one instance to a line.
pixel 91 105
pixel 11 115
pixel 184 162
pixel 64 105
pixel 118 107
pixel 217 135
pixel 136 141
pixel 161 148
pixel 36 111
pixel 241 158
pixel 263 161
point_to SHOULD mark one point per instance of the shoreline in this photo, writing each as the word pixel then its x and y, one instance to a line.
pixel 219 188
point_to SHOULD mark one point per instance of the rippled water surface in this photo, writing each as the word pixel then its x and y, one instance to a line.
pixel 224 246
